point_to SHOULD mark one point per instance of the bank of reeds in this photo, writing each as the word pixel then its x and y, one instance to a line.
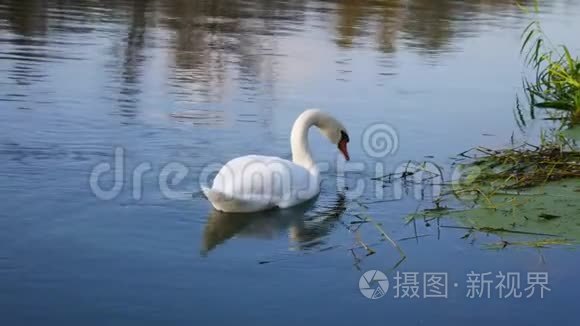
pixel 556 82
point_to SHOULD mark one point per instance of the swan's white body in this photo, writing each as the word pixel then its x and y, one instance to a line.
pixel 255 183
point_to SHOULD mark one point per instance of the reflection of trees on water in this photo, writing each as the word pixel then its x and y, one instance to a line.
pixel 24 20
pixel 425 25
pixel 431 25
pixel 220 45
pixel 216 42
pixel 195 39
pixel 133 58
pixel 25 17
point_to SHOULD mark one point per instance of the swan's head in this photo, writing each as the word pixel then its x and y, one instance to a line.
pixel 334 131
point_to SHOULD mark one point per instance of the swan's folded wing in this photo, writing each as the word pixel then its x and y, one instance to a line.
pixel 266 180
pixel 225 203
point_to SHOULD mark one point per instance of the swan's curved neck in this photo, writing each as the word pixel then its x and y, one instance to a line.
pixel 301 154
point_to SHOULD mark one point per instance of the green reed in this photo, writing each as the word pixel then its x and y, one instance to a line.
pixel 556 84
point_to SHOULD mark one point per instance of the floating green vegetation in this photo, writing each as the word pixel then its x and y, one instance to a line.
pixel 549 211
pixel 500 171
pixel 556 84
pixel 526 191
pixel 542 243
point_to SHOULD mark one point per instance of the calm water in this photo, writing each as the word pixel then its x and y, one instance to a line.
pixel 195 83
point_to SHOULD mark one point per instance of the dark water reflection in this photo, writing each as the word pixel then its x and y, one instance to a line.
pixel 212 44
pixel 304 227
pixel 200 82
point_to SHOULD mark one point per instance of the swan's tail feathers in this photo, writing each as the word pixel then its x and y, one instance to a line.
pixel 226 203
pixel 209 193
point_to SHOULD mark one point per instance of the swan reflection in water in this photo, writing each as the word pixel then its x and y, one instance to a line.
pixel 306 227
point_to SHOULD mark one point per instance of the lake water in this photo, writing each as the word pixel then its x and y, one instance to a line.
pixel 195 83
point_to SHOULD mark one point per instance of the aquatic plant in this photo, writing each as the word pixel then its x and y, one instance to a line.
pixel 521 191
pixel 521 167
pixel 556 82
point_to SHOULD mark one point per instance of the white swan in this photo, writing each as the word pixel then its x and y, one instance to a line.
pixel 255 183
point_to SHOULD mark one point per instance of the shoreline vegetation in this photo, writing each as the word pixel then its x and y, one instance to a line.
pixel 528 194
pixel 555 85
pixel 524 191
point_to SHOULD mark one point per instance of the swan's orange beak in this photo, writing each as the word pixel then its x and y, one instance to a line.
pixel 342 148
